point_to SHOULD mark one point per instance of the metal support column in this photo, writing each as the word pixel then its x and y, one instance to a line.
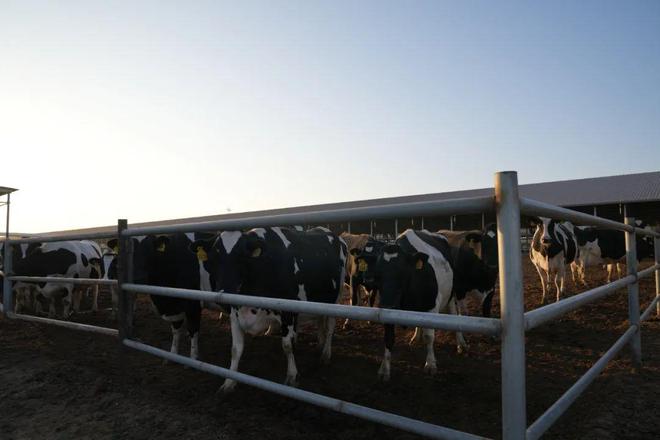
pixel 8 297
pixel 633 295
pixel 124 275
pixel 396 227
pixel 507 205
pixel 656 242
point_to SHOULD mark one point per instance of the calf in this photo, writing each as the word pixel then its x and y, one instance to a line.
pixel 554 246
pixel 277 263
pixel 68 259
pixel 414 274
pixel 166 261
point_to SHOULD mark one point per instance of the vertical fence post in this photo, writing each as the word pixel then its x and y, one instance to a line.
pixel 8 296
pixel 512 306
pixel 124 269
pixel 633 295
pixel 656 246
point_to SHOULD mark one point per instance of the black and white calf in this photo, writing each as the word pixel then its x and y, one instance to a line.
pixel 167 261
pixel 67 259
pixel 554 246
pixel 277 263
pixel 605 246
pixel 414 274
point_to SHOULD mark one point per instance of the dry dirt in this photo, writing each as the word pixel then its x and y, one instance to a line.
pixel 62 384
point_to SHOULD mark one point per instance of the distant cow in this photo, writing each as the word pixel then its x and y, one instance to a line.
pixel 67 259
pixel 606 246
pixel 554 246
pixel 414 274
pixel 167 261
pixel 277 263
pixel 25 293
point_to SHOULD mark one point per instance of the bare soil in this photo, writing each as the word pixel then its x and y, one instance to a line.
pixel 62 384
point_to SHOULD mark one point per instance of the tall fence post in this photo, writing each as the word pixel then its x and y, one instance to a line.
pixel 633 295
pixel 512 306
pixel 8 295
pixel 656 246
pixel 124 269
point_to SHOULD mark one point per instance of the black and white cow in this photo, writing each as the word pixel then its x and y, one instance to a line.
pixel 554 246
pixel 25 293
pixel 166 261
pixel 67 259
pixel 606 246
pixel 277 263
pixel 362 273
pixel 475 264
pixel 414 274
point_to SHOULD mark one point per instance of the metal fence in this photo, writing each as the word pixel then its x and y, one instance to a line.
pixel 511 326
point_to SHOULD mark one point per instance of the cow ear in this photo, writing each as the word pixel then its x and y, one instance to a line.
pixel 419 259
pixel 255 247
pixel 474 237
pixel 161 243
pixel 201 249
pixel 534 221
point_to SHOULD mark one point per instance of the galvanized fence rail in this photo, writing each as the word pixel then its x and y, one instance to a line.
pixel 511 326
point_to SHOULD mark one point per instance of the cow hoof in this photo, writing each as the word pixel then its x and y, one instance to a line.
pixel 430 368
pixel 164 362
pixel 383 376
pixel 462 349
pixel 227 387
pixel 291 381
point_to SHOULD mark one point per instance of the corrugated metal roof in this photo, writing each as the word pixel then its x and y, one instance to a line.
pixel 627 188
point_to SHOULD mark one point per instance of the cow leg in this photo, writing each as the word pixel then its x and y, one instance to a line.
pixel 237 345
pixel 543 285
pixel 177 329
pixel 372 297
pixel 610 269
pixel 95 298
pixel 327 343
pixel 618 271
pixel 288 338
pixel 384 370
pixel 353 288
pixel 76 294
pixel 461 343
pixel 115 299
pixel 429 339
pixel 416 337
pixel 193 319
pixel 67 300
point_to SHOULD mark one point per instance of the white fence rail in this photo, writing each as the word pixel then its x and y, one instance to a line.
pixel 511 326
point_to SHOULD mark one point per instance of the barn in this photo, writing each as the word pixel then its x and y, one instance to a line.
pixel 611 197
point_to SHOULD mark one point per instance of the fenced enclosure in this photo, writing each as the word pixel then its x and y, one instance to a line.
pixel 511 326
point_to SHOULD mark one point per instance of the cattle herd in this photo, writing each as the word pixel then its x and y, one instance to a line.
pixel 419 271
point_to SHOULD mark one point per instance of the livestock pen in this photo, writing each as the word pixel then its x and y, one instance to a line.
pixel 511 327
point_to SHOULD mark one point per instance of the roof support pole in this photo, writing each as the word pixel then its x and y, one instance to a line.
pixel 656 242
pixel 124 275
pixel 8 298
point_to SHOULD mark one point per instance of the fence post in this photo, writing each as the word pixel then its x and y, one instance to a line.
pixel 8 295
pixel 512 306
pixel 124 269
pixel 633 295
pixel 656 246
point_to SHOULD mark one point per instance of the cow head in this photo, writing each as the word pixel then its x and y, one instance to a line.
pixel 484 244
pixel 545 231
pixel 365 262
pixel 230 257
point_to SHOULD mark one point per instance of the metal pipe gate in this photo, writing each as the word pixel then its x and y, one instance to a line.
pixel 511 326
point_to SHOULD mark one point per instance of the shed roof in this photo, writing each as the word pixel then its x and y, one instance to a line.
pixel 626 188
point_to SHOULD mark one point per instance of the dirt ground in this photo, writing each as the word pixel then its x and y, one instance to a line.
pixel 62 384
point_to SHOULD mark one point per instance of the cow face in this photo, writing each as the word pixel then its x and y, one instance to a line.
pixel 365 263
pixel 231 257
pixel 545 231
pixel 484 244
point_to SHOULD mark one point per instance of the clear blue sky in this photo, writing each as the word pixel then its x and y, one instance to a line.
pixel 151 110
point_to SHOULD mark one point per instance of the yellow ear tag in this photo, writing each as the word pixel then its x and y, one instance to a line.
pixel 256 253
pixel 201 254
pixel 161 248
pixel 362 266
pixel 115 249
pixel 419 264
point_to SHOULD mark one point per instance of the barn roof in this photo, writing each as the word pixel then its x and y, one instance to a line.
pixel 4 190
pixel 626 188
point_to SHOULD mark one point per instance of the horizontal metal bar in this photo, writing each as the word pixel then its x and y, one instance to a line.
pixel 427 208
pixel 65 324
pixel 70 237
pixel 648 271
pixel 534 207
pixel 64 280
pixel 469 324
pixel 363 412
pixel 539 316
pixel 649 309
pixel 545 421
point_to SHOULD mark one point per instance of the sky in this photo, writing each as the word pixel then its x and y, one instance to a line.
pixel 156 109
